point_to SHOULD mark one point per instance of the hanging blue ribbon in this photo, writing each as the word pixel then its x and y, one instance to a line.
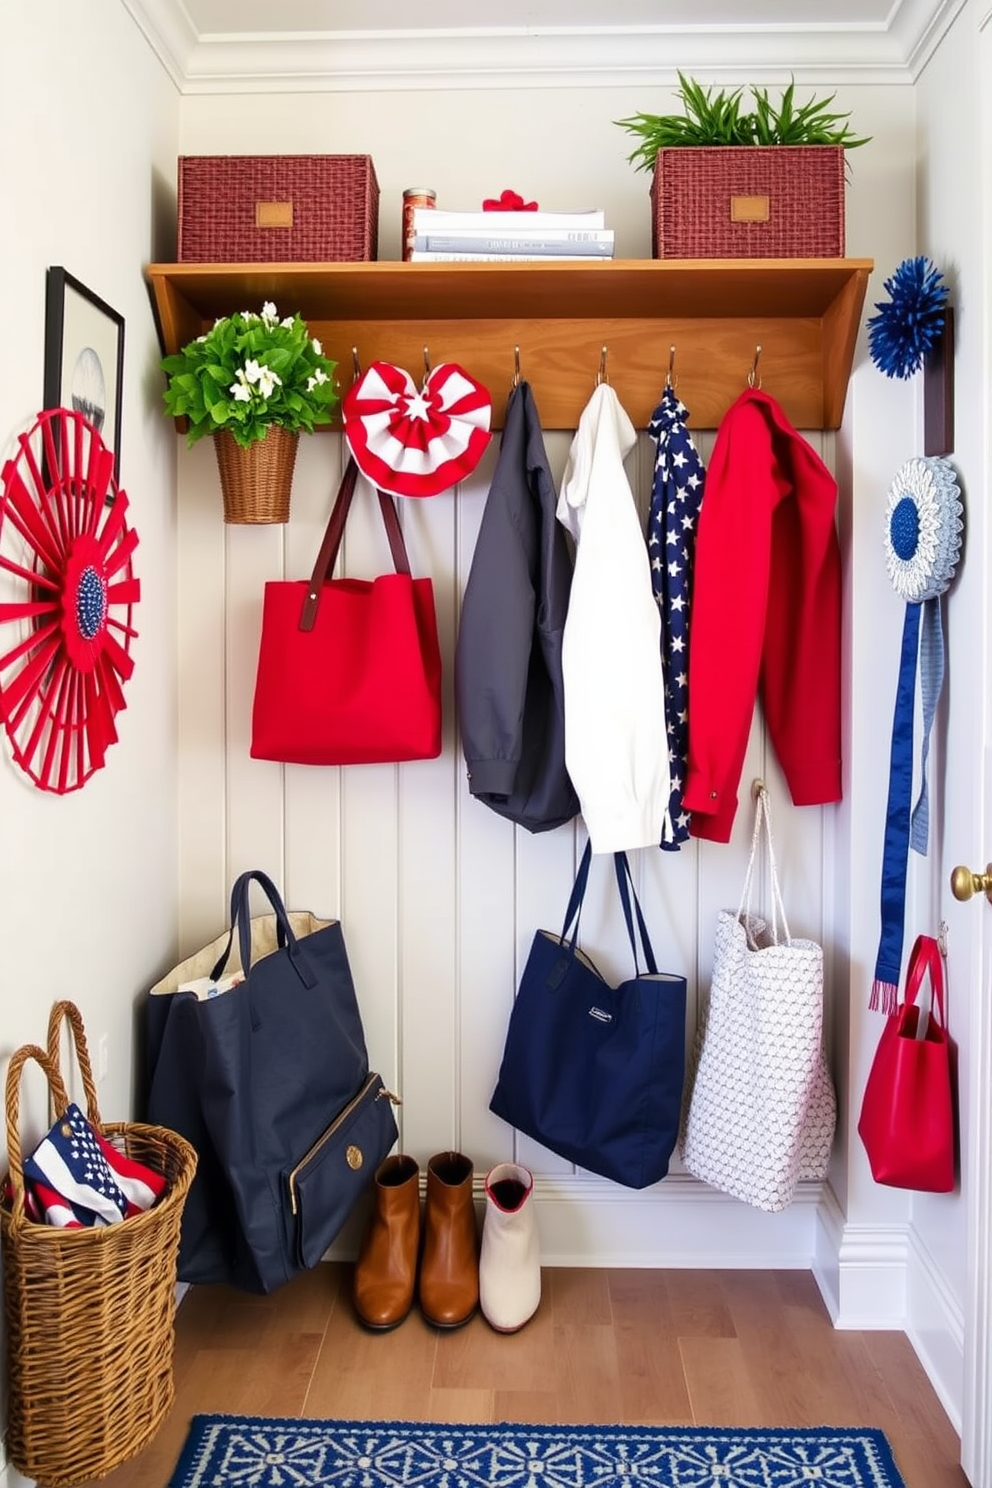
pixel 923 543
pixel 931 682
pixel 895 853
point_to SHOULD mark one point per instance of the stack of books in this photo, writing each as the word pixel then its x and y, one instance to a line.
pixel 477 236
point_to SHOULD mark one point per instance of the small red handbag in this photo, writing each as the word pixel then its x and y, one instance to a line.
pixel 349 670
pixel 907 1112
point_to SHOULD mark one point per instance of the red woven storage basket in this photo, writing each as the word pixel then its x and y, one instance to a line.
pixel 277 209
pixel 749 201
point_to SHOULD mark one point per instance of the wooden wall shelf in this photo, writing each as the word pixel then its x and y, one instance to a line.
pixel 804 313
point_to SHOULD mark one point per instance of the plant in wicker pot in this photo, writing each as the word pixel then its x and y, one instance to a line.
pixel 729 182
pixel 254 382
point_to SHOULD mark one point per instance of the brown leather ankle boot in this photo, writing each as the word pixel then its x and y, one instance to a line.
pixel 386 1269
pixel 449 1268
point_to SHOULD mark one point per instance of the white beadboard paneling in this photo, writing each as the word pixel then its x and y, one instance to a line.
pixel 486 937
pixel 439 896
pixel 370 897
pixel 545 871
pixel 255 821
pixel 312 793
pixel 202 691
pixel 428 1066
pixel 369 827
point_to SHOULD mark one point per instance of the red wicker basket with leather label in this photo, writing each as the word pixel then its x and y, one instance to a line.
pixel 277 209
pixel 749 201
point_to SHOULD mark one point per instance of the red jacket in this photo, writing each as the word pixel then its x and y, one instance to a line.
pixel 765 607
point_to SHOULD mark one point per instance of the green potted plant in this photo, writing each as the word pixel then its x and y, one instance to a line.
pixel 731 181
pixel 254 383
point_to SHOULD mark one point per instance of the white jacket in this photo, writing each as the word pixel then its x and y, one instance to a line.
pixel 616 745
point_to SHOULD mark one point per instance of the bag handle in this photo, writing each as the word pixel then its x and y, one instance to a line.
pixel 925 957
pixel 625 884
pixel 763 818
pixel 573 909
pixel 241 918
pixel 327 557
pixel 57 1098
pixel 68 1012
pixel 624 879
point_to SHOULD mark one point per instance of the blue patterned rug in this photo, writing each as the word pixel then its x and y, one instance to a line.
pixel 258 1452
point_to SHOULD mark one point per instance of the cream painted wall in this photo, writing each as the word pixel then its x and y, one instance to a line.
pixel 88 882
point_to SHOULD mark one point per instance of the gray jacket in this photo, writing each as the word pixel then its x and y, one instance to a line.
pixel 508 679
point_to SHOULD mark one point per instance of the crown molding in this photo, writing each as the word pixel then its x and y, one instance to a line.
pixel 539 57
pixel 919 26
pixel 167 27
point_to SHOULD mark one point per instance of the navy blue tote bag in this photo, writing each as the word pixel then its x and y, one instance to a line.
pixel 591 1071
pixel 269 1080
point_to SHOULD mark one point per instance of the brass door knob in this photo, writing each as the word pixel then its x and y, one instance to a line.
pixel 964 883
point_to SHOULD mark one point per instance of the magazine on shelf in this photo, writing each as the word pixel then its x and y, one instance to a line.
pixel 434 219
pixel 424 255
pixel 564 243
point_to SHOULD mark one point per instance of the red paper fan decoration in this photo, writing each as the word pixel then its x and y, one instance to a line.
pixel 416 442
pixel 65 551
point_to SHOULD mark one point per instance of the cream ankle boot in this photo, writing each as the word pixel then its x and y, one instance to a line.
pixel 510 1264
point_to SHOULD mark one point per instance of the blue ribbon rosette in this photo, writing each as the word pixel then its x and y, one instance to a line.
pixel 923 528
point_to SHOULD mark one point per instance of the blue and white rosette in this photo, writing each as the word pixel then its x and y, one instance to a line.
pixel 923 527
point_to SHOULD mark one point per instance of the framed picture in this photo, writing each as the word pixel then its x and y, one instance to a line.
pixel 84 357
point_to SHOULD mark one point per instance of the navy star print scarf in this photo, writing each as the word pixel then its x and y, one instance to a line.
pixel 676 496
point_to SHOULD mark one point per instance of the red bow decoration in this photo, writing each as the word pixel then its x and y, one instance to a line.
pixel 413 442
pixel 509 201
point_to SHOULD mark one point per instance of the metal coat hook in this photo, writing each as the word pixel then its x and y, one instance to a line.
pixel 356 366
pixel 601 374
pixel 671 381
pixel 516 368
pixel 753 380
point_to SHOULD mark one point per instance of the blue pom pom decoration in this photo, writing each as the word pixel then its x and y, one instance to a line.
pixel 905 330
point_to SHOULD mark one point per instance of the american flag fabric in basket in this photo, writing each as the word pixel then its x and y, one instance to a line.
pixel 76 1179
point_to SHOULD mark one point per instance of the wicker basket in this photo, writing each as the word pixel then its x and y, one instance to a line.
pixel 749 201
pixel 277 209
pixel 90 1313
pixel 256 480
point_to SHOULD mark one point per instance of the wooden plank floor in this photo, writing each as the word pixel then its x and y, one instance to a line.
pixel 749 1348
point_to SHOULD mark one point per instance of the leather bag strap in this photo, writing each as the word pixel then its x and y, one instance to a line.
pixel 925 957
pixel 328 554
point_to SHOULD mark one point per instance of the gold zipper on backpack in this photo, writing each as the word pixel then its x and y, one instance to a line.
pixel 324 1136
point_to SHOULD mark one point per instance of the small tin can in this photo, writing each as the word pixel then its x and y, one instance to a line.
pixel 413 197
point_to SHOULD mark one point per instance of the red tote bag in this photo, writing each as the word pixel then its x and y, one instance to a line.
pixel 907 1112
pixel 349 670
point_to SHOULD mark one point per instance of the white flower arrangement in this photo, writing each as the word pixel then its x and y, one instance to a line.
pixel 249 371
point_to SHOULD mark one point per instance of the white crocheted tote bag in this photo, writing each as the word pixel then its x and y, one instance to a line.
pixel 761 1107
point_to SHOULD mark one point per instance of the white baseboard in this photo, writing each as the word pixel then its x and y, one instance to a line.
pixel 935 1327
pixel 860 1269
pixel 883 1276
pixel 872 1268
pixel 680 1223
